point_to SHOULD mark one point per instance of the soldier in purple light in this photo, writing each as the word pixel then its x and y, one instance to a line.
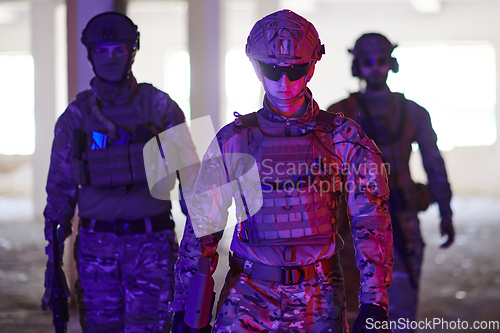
pixel 284 267
pixel 126 246
pixel 394 123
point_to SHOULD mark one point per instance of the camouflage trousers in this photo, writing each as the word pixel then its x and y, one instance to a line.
pixel 250 305
pixel 403 293
pixel 125 282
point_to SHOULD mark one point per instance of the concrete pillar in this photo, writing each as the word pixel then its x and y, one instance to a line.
pixel 43 50
pixel 73 49
pixel 206 50
pixel 79 13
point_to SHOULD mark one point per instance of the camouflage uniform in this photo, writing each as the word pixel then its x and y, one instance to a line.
pixel 395 123
pixel 249 303
pixel 125 275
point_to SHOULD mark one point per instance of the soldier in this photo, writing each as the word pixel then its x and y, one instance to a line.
pixel 395 123
pixel 126 246
pixel 284 268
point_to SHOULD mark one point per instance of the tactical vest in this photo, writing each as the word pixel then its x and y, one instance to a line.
pixel 119 163
pixel 300 187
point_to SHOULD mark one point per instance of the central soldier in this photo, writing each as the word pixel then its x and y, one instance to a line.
pixel 284 262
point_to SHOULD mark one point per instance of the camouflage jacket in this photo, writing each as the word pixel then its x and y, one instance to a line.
pixel 134 104
pixel 394 123
pixel 212 198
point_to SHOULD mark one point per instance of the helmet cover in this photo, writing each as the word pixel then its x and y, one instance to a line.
pixel 111 27
pixel 372 43
pixel 284 36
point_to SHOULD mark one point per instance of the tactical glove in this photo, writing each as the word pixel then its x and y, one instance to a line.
pixel 371 319
pixel 446 228
pixel 179 326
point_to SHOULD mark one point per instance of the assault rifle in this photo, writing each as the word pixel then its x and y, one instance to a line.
pixel 57 296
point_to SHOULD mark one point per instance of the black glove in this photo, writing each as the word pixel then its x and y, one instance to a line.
pixel 179 326
pixel 446 228
pixel 371 319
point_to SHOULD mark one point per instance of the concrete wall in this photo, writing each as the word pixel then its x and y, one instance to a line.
pixel 15 171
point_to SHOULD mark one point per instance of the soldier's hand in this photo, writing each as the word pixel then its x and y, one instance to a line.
pixel 48 296
pixel 371 319
pixel 446 228
pixel 179 326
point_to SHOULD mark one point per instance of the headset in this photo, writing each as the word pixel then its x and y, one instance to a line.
pixel 356 72
pixel 372 43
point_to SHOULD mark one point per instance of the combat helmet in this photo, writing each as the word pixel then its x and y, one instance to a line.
pixel 110 27
pixel 284 36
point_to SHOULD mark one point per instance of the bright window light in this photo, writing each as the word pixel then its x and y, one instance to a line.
pixel 243 89
pixel 17 121
pixel 178 80
pixel 456 83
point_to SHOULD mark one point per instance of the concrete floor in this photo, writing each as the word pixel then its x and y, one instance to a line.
pixel 462 282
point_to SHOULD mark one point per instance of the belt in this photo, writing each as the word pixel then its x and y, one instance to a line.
pixel 286 275
pixel 129 227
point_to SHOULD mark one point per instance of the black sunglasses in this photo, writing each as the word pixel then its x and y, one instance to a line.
pixel 293 73
pixel 369 62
